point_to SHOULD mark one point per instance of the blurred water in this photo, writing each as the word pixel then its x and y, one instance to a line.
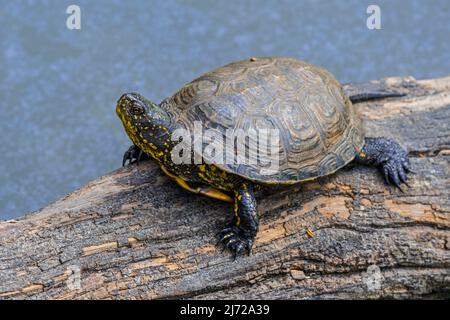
pixel 58 87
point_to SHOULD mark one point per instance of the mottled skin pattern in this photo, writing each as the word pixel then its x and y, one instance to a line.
pixel 150 126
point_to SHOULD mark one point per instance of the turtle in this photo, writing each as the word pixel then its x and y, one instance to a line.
pixel 319 132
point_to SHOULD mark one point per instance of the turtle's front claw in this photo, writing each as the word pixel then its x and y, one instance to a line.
pixel 132 155
pixel 236 240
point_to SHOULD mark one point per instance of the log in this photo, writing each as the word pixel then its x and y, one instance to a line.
pixel 134 234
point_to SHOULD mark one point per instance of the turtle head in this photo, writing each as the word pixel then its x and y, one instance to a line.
pixel 146 123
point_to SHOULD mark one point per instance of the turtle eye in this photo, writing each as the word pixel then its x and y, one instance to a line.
pixel 136 109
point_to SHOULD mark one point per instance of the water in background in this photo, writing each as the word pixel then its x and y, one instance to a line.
pixel 58 87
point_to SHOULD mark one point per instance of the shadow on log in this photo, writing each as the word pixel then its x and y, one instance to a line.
pixel 134 234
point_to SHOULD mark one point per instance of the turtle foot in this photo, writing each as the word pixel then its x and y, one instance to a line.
pixel 236 239
pixel 396 168
pixel 389 156
pixel 133 155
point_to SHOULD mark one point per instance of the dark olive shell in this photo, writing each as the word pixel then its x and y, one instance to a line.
pixel 319 129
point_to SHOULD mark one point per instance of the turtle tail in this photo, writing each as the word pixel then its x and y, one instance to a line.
pixel 359 92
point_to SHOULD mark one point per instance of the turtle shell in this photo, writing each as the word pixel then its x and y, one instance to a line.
pixel 318 128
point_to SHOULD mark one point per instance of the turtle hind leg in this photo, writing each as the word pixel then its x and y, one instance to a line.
pixel 389 156
pixel 240 234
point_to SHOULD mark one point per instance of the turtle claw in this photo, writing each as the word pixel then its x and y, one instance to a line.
pixel 126 157
pixel 235 239
pixel 133 155
pixel 390 157
pixel 395 171
pixel 406 166
pixel 409 170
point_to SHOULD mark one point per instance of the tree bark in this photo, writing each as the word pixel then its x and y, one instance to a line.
pixel 134 234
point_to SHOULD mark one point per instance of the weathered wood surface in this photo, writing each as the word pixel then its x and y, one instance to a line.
pixel 135 234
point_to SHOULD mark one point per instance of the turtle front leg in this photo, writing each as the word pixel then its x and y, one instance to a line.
pixel 240 234
pixel 389 156
pixel 134 154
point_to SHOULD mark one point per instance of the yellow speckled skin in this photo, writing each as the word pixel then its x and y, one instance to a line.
pixel 150 129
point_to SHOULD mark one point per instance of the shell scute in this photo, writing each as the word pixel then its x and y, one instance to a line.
pixel 319 130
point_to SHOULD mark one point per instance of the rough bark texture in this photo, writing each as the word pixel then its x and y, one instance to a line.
pixel 135 234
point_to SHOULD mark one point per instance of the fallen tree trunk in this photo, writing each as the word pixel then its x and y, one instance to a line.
pixel 134 234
